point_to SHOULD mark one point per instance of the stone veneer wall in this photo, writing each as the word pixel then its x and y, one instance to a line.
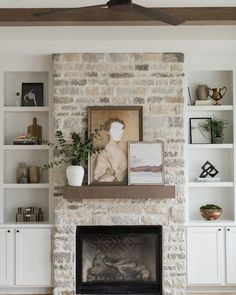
pixel 156 82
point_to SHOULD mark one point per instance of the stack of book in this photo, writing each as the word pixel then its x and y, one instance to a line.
pixel 207 102
pixel 208 179
pixel 23 140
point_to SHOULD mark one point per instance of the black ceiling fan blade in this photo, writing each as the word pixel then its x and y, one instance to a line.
pixel 59 10
pixel 158 15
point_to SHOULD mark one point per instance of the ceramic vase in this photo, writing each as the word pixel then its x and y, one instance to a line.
pixel 75 175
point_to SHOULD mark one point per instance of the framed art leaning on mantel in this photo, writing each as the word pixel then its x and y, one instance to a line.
pixel 146 163
pixel 120 124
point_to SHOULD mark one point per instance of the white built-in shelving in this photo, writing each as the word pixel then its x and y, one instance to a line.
pixel 211 146
pixel 211 244
pixel 27 185
pixel 211 184
pixel 210 108
pixel 25 109
pixel 222 156
pixel 14 121
pixel 25 147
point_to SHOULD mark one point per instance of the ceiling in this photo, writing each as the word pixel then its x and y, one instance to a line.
pixel 147 3
pixel 194 12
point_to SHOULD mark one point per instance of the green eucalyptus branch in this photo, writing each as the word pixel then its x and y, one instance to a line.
pixel 73 152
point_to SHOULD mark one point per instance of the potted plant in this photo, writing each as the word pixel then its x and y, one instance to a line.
pixel 73 152
pixel 216 126
pixel 211 211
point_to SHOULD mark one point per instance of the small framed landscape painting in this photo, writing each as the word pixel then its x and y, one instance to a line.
pixel 199 134
pixel 32 95
pixel 146 163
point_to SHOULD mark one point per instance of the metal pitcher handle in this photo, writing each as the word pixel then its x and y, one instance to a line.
pixel 211 95
pixel 225 90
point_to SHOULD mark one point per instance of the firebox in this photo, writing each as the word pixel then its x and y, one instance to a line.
pixel 119 260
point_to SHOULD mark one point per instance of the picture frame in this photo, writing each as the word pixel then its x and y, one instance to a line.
pixel 190 101
pixel 32 95
pixel 198 135
pixel 121 124
pixel 146 163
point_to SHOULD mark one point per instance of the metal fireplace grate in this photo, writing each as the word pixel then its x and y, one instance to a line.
pixel 118 258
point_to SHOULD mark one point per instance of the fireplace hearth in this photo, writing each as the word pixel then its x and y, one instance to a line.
pixel 119 260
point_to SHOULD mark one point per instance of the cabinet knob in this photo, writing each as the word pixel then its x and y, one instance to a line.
pixel 219 229
pixel 17 231
pixel 228 229
pixel 8 231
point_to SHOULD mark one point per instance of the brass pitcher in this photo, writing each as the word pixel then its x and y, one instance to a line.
pixel 217 94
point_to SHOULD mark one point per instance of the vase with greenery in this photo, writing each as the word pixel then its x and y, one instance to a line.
pixel 73 152
pixel 216 126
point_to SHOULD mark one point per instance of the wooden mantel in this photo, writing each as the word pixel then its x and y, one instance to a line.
pixel 119 192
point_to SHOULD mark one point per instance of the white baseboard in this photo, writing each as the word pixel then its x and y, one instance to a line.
pixel 24 290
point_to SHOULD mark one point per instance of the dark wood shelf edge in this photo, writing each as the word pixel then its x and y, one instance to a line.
pixel 119 192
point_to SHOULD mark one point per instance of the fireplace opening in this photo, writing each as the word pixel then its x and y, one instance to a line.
pixel 119 260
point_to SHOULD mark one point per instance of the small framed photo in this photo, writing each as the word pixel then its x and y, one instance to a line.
pixel 198 134
pixel 146 163
pixel 120 125
pixel 32 95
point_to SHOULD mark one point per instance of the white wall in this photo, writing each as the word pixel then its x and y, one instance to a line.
pixel 202 41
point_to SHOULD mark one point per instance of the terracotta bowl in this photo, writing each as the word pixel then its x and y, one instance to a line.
pixel 211 214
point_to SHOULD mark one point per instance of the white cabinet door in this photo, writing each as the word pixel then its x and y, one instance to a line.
pixel 231 255
pixel 6 256
pixel 205 255
pixel 33 257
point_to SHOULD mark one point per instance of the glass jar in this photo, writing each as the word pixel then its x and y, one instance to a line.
pixel 22 173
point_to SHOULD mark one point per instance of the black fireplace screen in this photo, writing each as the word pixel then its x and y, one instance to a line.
pixel 118 259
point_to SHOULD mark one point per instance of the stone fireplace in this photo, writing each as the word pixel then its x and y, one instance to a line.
pixel 154 81
pixel 118 259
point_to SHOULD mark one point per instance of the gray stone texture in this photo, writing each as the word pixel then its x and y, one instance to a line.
pixel 154 81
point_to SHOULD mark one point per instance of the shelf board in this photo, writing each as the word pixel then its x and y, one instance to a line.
pixel 213 108
pixel 211 146
pixel 25 185
pixel 211 184
pixel 14 224
pixel 119 192
pixel 25 109
pixel 219 222
pixel 25 147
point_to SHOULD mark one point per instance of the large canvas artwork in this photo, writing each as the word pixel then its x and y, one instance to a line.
pixel 145 163
pixel 120 125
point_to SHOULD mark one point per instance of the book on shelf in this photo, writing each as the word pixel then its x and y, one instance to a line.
pixel 207 102
pixel 23 139
pixel 23 142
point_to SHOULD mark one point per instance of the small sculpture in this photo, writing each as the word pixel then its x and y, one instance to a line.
pixel 208 170
pixel 217 94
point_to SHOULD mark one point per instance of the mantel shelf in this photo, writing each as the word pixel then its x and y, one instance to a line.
pixel 119 192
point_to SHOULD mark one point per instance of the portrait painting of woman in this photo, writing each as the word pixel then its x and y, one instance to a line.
pixel 120 125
